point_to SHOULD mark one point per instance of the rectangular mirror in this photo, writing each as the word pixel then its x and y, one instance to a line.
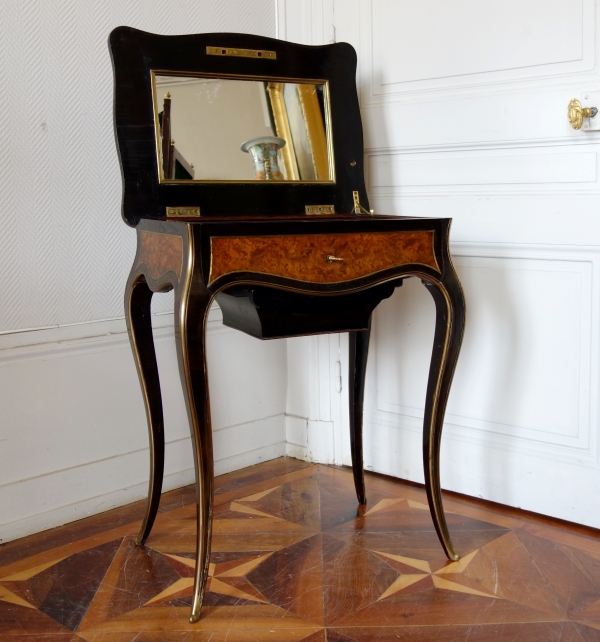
pixel 217 129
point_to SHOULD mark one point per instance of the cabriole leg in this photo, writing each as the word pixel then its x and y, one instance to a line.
pixel 192 305
pixel 138 297
pixel 358 351
pixel 449 326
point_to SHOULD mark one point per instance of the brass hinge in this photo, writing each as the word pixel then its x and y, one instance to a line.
pixel 358 208
pixel 182 212
pixel 241 53
pixel 319 209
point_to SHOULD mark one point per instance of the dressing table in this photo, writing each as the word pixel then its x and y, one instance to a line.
pixel 242 164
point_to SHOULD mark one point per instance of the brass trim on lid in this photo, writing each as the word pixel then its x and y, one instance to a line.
pixel 241 53
pixel 319 209
pixel 182 212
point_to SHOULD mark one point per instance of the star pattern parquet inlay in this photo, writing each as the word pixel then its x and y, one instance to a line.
pixel 294 558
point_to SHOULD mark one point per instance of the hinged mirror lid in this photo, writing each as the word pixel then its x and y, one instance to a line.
pixel 239 133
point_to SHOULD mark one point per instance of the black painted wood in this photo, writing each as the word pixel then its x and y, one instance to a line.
pixel 138 298
pixel 358 350
pixel 449 328
pixel 192 304
pixel 266 313
pixel 136 53
pixel 263 305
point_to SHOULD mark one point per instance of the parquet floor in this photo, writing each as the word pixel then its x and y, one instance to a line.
pixel 293 560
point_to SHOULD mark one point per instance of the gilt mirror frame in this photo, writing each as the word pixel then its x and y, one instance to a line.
pixel 138 55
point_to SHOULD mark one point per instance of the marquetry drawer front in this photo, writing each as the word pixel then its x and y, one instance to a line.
pixel 315 257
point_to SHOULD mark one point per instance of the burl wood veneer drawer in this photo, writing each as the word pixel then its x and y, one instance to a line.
pixel 312 257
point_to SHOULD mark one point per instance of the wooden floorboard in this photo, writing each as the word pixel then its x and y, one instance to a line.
pixel 295 558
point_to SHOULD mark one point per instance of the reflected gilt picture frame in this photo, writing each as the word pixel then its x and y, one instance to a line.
pixel 312 163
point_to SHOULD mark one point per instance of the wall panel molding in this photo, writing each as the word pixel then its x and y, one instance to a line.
pixel 517 170
pixel 308 22
pixel 590 138
pixel 576 440
pixel 464 116
pixel 394 45
pixel 316 409
pixel 515 106
pixel 554 488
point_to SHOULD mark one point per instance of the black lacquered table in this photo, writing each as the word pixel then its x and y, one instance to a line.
pixel 275 268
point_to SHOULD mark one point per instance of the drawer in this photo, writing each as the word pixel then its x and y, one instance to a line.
pixel 308 257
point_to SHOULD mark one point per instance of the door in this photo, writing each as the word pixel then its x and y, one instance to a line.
pixel 464 108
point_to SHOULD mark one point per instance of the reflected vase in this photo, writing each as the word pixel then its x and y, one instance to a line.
pixel 264 156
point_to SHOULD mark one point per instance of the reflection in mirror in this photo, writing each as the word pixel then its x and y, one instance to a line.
pixel 215 129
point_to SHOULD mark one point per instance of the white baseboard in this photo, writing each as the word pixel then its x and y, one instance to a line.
pixel 320 437
pixel 309 439
pixel 55 499
pixel 58 515
pixel 237 462
pixel 296 435
pixel 74 437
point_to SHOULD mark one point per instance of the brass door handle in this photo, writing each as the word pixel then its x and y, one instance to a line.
pixel 330 258
pixel 576 113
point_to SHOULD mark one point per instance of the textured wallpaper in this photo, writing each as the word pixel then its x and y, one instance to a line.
pixel 64 249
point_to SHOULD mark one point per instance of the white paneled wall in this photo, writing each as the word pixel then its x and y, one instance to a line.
pixel 317 406
pixel 464 115
pixel 73 436
pixel 464 112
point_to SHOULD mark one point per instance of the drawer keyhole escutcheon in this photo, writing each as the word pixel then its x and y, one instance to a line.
pixel 330 258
